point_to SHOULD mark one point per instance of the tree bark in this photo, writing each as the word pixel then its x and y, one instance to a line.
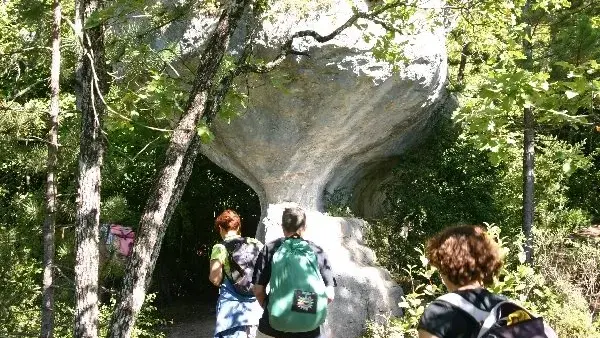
pixel 528 147
pixel 47 329
pixel 173 177
pixel 91 84
pixel 463 62
pixel 528 182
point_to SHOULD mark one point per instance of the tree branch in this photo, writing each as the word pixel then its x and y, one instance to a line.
pixel 216 100
pixel 287 48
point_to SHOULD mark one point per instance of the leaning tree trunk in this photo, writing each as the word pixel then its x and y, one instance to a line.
pixel 171 180
pixel 528 147
pixel 92 84
pixel 47 329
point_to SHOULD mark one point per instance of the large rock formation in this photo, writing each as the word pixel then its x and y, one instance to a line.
pixel 334 120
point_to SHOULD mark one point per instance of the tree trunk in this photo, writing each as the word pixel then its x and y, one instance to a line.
pixel 463 62
pixel 173 177
pixel 92 83
pixel 47 329
pixel 528 147
pixel 528 182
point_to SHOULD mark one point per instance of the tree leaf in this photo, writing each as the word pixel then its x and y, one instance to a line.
pixel 571 94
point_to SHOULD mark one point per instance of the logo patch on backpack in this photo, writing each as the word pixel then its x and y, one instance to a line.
pixel 304 301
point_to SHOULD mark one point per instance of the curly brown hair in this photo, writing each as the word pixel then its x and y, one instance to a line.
pixel 228 220
pixel 465 254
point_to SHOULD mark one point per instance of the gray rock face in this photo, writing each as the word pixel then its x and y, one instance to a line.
pixel 332 116
pixel 334 120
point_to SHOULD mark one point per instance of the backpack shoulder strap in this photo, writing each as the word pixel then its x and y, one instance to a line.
pixel 492 318
pixel 230 246
pixel 463 304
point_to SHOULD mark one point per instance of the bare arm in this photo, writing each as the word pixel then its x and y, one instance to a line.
pixel 330 292
pixel 425 334
pixel 261 294
pixel 216 272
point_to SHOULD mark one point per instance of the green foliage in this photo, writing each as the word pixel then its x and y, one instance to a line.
pixel 560 84
pixel 549 298
pixel 385 326
pixel 19 294
pixel 148 320
pixel 444 181
pixel 337 203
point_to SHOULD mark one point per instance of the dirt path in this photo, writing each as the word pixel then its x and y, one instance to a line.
pixel 201 328
pixel 191 321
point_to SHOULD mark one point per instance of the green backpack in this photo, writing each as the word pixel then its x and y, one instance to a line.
pixel 297 301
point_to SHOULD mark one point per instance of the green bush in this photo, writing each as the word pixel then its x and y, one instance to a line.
pixel 337 203
pixel 20 294
pixel 573 267
pixel 147 324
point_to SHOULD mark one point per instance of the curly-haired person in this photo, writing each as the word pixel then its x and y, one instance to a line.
pixel 467 259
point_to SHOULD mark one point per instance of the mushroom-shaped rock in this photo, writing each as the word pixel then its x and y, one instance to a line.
pixel 326 122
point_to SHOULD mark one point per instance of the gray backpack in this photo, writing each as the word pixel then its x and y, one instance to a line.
pixel 495 324
pixel 241 254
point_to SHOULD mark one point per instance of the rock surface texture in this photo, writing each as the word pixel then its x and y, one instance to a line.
pixel 334 120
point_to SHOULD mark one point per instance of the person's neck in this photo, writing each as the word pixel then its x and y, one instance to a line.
pixel 470 286
pixel 230 233
pixel 290 234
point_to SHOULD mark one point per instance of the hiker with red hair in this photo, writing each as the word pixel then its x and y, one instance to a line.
pixel 231 266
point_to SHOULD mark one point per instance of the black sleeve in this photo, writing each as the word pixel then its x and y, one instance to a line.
pixel 443 321
pixel 262 268
pixel 324 265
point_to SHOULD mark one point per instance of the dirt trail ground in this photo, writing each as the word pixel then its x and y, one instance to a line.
pixel 191 321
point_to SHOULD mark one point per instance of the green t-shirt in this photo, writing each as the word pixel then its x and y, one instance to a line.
pixel 219 252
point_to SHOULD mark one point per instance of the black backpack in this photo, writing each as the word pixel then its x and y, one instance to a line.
pixel 505 320
pixel 241 254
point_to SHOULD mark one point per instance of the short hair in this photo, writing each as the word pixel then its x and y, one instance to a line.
pixel 228 220
pixel 293 219
pixel 465 254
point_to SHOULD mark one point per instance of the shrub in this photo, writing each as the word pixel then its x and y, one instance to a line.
pixel 19 291
pixel 147 323
pixel 337 203
pixel 573 266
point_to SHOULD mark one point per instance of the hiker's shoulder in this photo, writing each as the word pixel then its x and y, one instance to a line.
pixel 274 244
pixel 218 247
pixel 218 252
pixel 254 241
pixel 316 248
pixel 444 320
pixel 482 298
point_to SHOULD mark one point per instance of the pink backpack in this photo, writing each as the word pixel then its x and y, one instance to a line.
pixel 121 238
